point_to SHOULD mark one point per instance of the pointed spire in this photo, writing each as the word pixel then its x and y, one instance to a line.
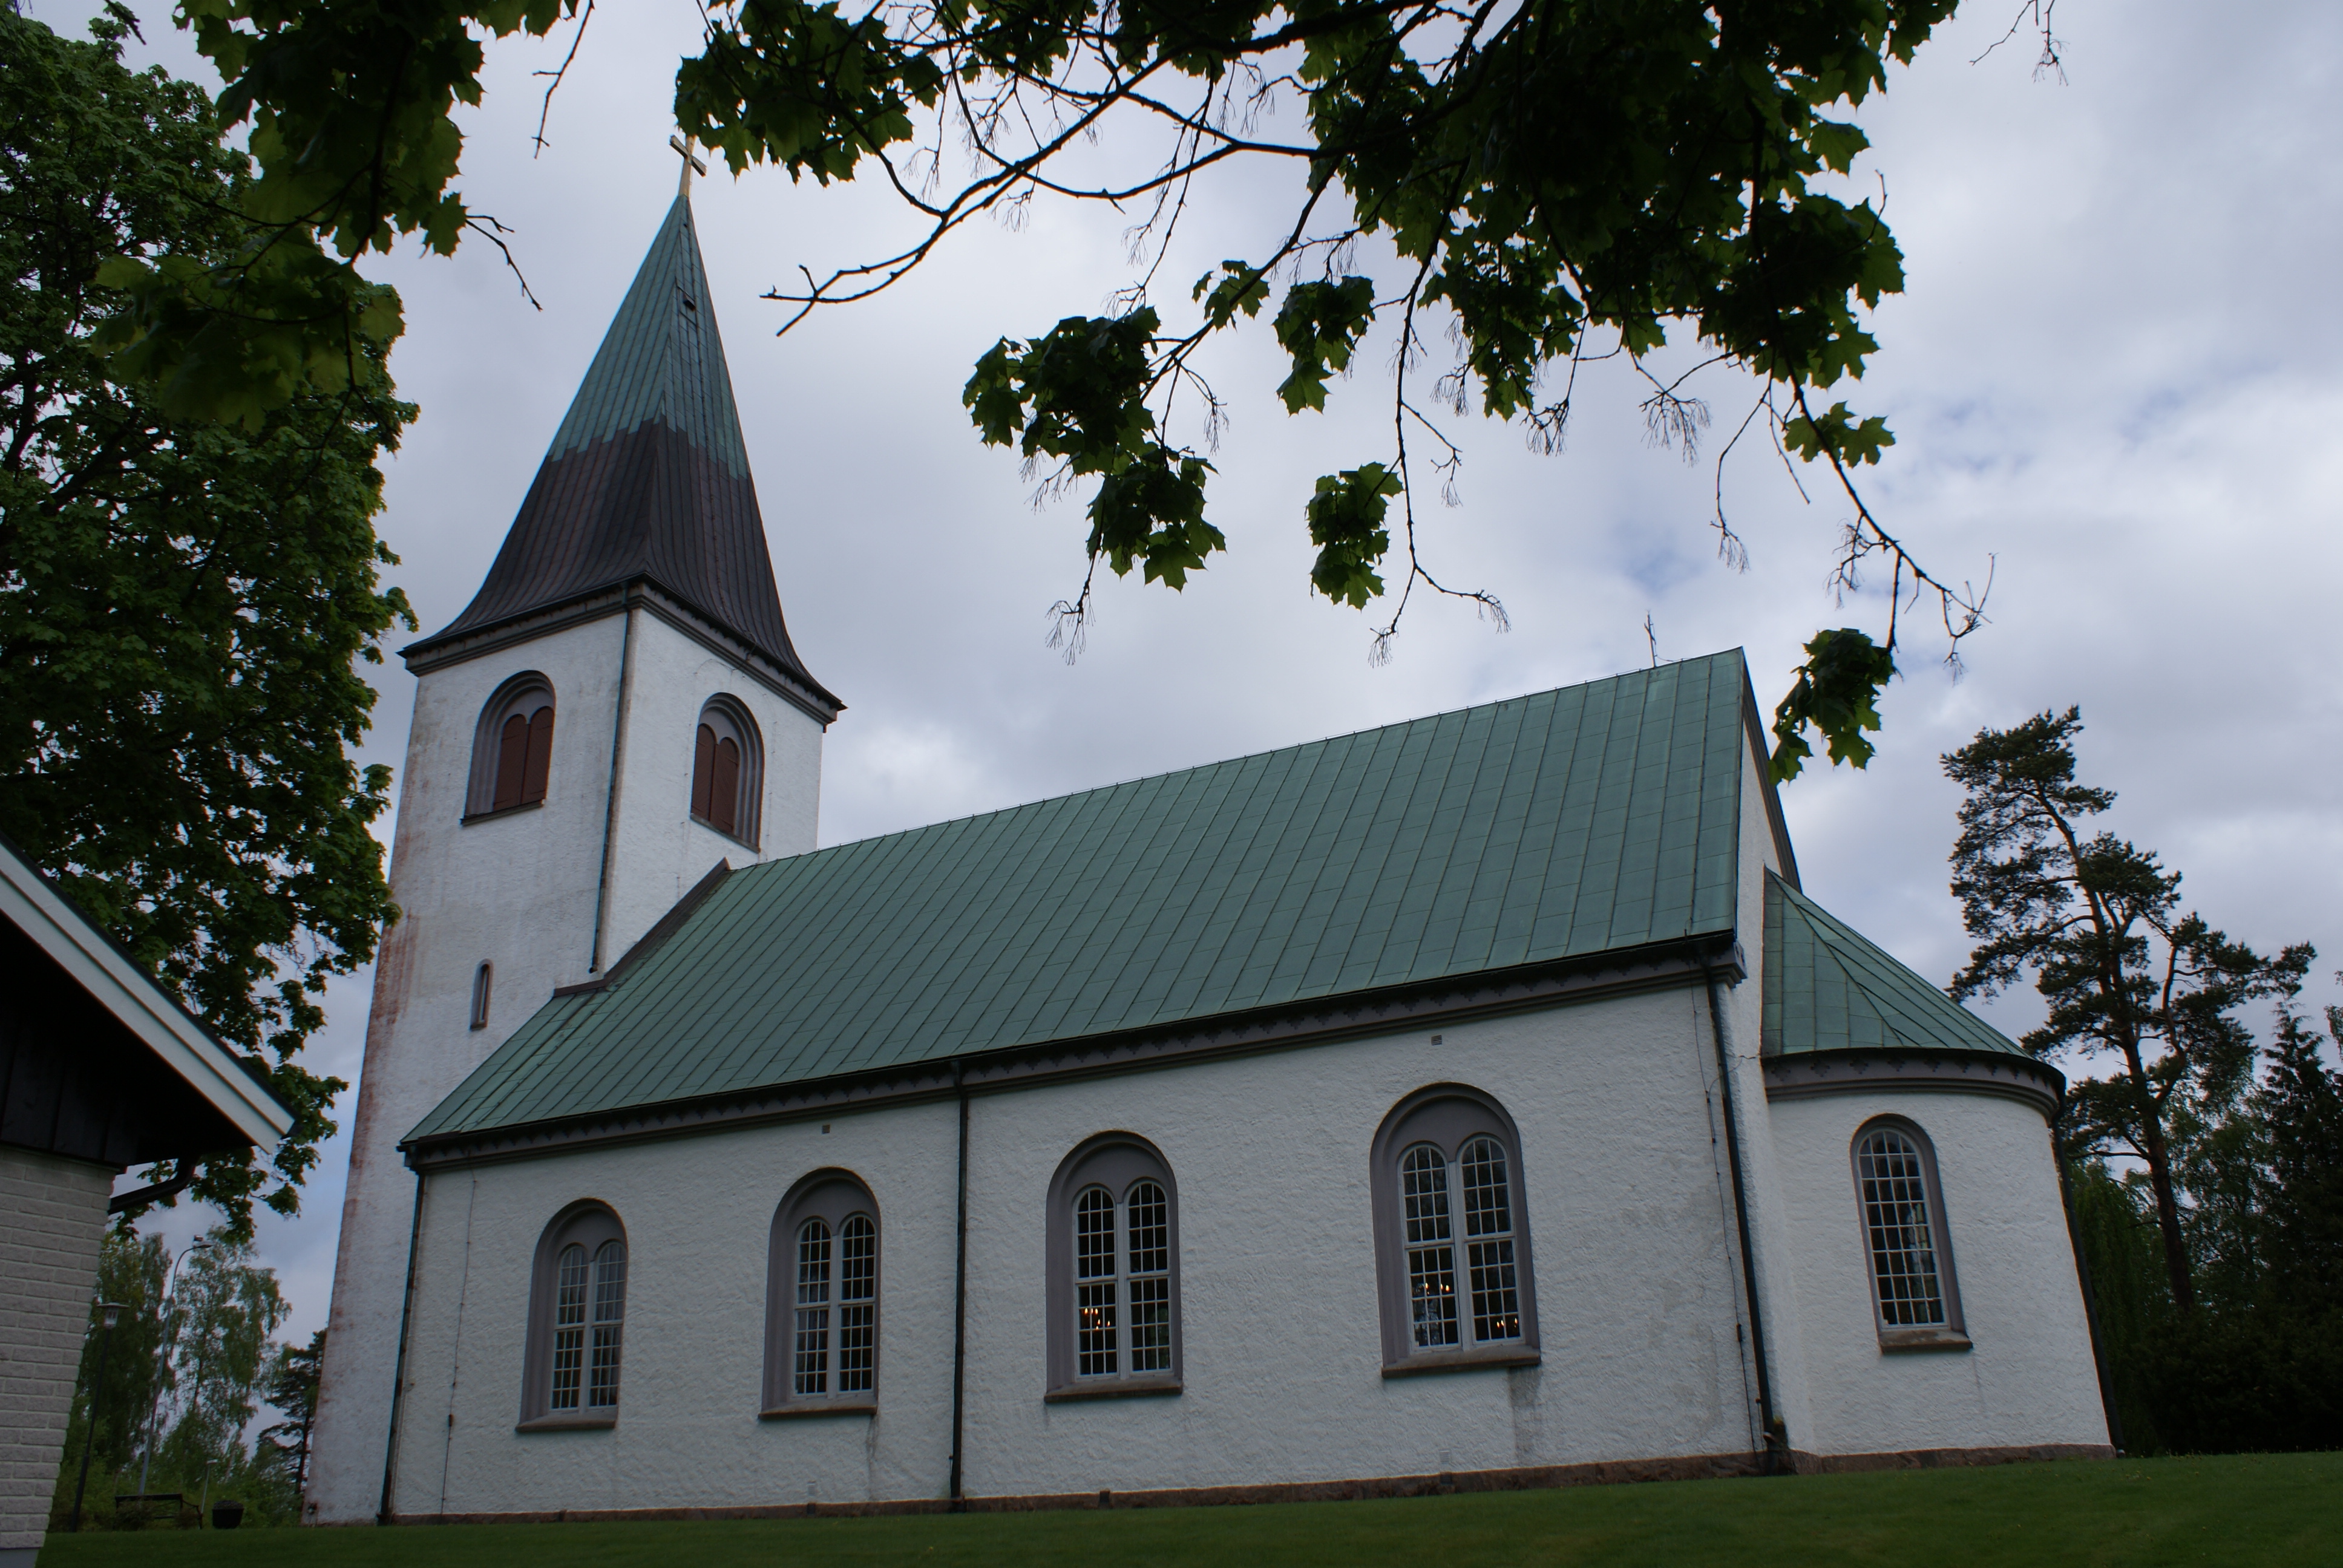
pixel 646 481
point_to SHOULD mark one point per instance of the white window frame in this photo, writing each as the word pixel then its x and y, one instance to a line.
pixel 1898 1331
pixel 1119 1168
pixel 1445 1121
pixel 799 1305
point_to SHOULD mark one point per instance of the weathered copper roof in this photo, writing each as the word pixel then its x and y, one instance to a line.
pixel 648 478
pixel 1564 825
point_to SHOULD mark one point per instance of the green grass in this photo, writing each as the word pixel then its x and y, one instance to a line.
pixel 2278 1509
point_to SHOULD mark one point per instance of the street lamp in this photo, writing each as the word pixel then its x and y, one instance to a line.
pixel 167 1335
pixel 109 1313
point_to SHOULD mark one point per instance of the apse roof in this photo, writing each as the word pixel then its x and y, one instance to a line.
pixel 1829 989
pixel 1567 824
pixel 647 476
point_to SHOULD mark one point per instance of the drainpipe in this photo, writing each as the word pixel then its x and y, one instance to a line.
pixel 1777 1440
pixel 398 1376
pixel 617 754
pixel 958 1504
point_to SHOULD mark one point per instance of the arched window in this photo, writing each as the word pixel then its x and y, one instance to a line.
pixel 1914 1298
pixel 821 1333
pixel 1113 1271
pixel 512 752
pixel 1452 1235
pixel 727 770
pixel 576 1321
pixel 482 977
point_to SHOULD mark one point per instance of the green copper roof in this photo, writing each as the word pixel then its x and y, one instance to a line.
pixel 1569 823
pixel 662 357
pixel 1827 988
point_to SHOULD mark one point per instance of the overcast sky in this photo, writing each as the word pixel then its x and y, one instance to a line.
pixel 2114 377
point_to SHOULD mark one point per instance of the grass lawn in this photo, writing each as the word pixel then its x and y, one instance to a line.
pixel 2241 1509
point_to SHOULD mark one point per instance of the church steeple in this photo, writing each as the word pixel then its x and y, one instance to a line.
pixel 646 481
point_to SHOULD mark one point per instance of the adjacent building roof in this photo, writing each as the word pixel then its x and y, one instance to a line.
pixel 1829 989
pixel 1565 825
pixel 97 1061
pixel 648 478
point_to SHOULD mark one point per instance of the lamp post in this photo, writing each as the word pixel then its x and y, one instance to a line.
pixel 165 1337
pixel 109 1313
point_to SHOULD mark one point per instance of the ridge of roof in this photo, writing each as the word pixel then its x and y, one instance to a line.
pixel 1551 827
pixel 647 476
pixel 1829 988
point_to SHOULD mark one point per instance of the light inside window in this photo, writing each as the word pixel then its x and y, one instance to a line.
pixel 1431 1251
pixel 610 1315
pixel 1150 1219
pixel 1903 1242
pixel 1489 1241
pixel 1094 1283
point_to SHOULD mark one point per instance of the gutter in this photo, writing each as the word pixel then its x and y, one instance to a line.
pixel 399 1374
pixel 958 1500
pixel 1777 1439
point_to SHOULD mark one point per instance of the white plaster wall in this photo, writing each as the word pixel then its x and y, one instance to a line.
pixel 697 1214
pixel 660 851
pixel 1630 1239
pixel 518 891
pixel 2030 1378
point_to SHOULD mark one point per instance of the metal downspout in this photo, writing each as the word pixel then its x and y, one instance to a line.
pixel 1777 1441
pixel 399 1374
pixel 958 1504
pixel 617 754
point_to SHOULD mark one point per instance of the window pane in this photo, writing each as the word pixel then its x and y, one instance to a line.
pixel 1151 1324
pixel 512 763
pixel 540 755
pixel 724 785
pixel 1424 1190
pixel 810 1368
pixel 1094 1233
pixel 857 1312
pixel 609 1312
pixel 1488 1196
pixel 568 1326
pixel 1496 1304
pixel 1151 1230
pixel 1094 1330
pixel 1431 1295
pixel 703 770
pixel 1903 1245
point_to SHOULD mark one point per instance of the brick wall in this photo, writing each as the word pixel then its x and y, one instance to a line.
pixel 52 1217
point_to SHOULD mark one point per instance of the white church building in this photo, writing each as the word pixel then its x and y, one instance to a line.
pixel 1475 1102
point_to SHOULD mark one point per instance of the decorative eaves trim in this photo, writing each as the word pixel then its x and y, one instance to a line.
pixel 157 1021
pixel 613 598
pixel 1485 994
pixel 1808 1074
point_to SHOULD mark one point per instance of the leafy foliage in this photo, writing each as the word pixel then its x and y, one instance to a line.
pixel 1837 692
pixel 2096 920
pixel 181 604
pixel 1557 181
pixel 292 1387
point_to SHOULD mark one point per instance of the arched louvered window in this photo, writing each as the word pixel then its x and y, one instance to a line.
pixel 822 1352
pixel 577 1325
pixel 1113 1284
pixel 727 770
pixel 1915 1304
pixel 1452 1235
pixel 512 753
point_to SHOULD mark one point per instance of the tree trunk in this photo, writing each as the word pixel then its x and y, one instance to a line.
pixel 2167 1211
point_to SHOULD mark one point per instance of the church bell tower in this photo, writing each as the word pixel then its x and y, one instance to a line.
pixel 618 709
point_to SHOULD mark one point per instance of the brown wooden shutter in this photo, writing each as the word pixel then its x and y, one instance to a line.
pixel 512 763
pixel 541 754
pixel 703 772
pixel 724 792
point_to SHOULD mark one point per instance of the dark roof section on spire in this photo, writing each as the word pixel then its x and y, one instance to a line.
pixel 648 478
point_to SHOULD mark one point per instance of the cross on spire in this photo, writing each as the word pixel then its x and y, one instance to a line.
pixel 691 164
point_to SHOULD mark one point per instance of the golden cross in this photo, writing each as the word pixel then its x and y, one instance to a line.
pixel 691 165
